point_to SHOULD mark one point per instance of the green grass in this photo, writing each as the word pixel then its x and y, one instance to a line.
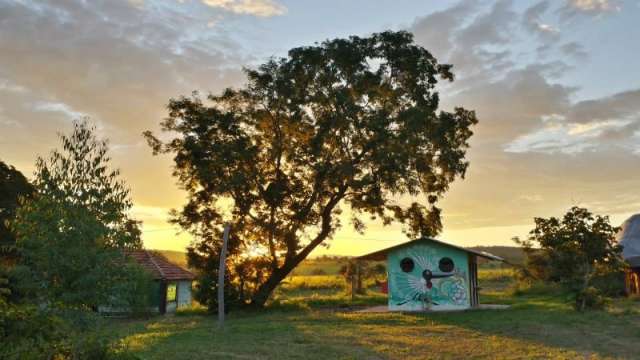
pixel 309 321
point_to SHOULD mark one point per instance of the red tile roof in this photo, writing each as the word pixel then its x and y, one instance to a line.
pixel 159 267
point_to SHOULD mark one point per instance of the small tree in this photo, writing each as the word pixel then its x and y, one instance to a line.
pixel 72 233
pixel 350 122
pixel 572 250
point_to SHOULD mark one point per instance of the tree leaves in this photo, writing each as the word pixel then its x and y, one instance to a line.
pixel 80 175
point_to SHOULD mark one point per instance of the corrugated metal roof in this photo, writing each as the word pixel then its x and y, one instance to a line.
pixel 159 267
pixel 382 254
pixel 629 238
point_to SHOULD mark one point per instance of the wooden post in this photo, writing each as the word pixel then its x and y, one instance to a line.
pixel 221 269
pixel 359 277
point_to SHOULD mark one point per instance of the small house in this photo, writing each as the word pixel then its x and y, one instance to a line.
pixel 428 274
pixel 172 284
pixel 629 239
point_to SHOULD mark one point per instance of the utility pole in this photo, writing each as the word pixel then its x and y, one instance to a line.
pixel 223 255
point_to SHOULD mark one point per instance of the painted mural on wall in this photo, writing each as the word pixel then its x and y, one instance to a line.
pixel 428 277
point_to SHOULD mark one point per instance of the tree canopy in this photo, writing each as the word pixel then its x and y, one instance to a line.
pixel 348 122
pixel 80 174
pixel 13 187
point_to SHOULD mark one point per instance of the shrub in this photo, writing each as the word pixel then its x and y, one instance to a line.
pixel 33 333
pixel 609 283
pixel 590 298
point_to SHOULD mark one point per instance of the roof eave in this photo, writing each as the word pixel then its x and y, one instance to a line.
pixel 382 254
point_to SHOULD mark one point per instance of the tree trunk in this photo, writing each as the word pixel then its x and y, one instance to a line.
pixel 264 291
pixel 585 285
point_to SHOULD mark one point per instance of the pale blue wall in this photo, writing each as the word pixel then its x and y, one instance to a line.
pixel 408 291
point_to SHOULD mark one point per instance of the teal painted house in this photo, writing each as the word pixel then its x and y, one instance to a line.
pixel 428 274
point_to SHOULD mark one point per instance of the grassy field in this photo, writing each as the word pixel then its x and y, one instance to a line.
pixel 312 317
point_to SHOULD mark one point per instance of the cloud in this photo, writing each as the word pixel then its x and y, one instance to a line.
pixel 609 122
pixel 574 50
pixel 118 62
pixel 472 37
pixel 264 8
pixel 532 21
pixel 61 108
pixel 589 7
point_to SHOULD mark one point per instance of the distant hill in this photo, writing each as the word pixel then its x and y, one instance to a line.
pixel 330 264
pixel 512 254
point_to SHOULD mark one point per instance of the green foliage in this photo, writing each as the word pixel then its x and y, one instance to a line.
pixel 13 187
pixel 205 290
pixel 349 122
pixel 64 258
pixel 573 251
pixel 133 290
pixel 80 175
pixel 29 332
pixel 590 298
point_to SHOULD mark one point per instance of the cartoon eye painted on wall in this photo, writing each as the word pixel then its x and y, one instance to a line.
pixel 446 264
pixel 407 264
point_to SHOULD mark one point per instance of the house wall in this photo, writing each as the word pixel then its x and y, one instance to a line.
pixel 408 291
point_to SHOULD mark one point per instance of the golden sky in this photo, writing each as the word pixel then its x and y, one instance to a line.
pixel 554 83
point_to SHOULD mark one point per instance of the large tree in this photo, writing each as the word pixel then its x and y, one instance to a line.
pixel 350 122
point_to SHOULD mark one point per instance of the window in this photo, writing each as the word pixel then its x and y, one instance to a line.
pixel 171 292
pixel 406 264
pixel 446 264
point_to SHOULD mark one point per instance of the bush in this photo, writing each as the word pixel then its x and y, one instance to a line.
pixel 609 283
pixel 133 293
pixel 590 298
pixel 33 333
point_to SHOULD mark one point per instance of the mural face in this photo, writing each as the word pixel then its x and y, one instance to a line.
pixel 428 277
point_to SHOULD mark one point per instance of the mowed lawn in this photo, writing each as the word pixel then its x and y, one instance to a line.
pixel 322 324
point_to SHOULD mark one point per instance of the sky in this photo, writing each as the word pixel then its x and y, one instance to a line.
pixel 555 85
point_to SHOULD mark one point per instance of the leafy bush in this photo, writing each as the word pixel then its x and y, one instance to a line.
pixel 590 298
pixel 33 333
pixel 609 283
pixel 133 293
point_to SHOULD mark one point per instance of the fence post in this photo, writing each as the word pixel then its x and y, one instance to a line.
pixel 221 270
